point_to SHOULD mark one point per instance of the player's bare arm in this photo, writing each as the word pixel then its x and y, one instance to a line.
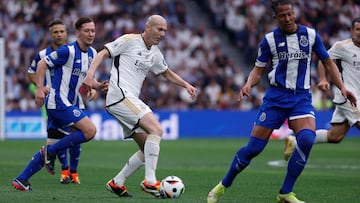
pixel 323 84
pixel 89 81
pixel 41 90
pixel 176 79
pixel 253 79
pixel 32 77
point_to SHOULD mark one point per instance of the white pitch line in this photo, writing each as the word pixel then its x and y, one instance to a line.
pixel 282 163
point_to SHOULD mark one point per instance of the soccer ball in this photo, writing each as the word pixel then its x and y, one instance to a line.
pixel 172 187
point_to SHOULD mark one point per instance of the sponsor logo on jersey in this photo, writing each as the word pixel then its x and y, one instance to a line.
pixel 77 72
pixel 299 54
pixel 281 44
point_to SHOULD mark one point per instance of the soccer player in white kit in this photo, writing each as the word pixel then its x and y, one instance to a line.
pixel 133 56
pixel 347 54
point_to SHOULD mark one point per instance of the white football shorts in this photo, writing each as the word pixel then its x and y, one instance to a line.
pixel 129 112
pixel 345 112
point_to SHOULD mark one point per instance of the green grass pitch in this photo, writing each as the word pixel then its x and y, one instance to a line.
pixel 331 176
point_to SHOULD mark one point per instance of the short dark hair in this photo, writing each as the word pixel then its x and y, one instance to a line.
pixel 56 21
pixel 355 20
pixel 81 21
pixel 276 3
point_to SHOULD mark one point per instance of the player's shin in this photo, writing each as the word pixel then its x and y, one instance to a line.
pixel 151 153
pixel 243 158
pixel 74 138
pixel 297 162
pixel 321 136
pixel 133 164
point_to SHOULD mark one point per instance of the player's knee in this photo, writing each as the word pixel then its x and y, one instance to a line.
pixel 156 130
pixel 159 132
pixel 254 147
pixel 305 140
pixel 306 137
pixel 90 132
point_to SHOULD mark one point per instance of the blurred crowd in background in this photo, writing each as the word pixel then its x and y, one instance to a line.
pixel 192 50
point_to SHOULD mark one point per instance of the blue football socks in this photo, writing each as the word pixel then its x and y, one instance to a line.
pixel 33 167
pixel 297 162
pixel 74 138
pixel 74 157
pixel 62 156
pixel 242 158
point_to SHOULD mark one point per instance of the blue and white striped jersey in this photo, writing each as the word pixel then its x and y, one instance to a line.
pixel 33 67
pixel 290 56
pixel 68 67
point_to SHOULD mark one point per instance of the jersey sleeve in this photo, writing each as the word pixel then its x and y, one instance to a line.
pixel 58 57
pixel 336 51
pixel 264 53
pixel 319 48
pixel 117 46
pixel 33 66
pixel 160 64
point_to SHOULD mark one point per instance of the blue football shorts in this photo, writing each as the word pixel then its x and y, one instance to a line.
pixel 281 104
pixel 64 118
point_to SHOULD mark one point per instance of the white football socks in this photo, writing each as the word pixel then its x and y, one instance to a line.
pixel 133 164
pixel 321 136
pixel 151 153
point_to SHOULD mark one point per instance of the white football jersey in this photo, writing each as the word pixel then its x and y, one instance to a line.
pixel 349 56
pixel 131 62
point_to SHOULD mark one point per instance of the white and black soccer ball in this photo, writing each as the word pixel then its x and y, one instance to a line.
pixel 172 187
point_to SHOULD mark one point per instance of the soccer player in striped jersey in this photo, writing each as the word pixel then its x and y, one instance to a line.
pixel 346 53
pixel 288 50
pixel 58 34
pixel 64 104
pixel 133 56
pixel 69 174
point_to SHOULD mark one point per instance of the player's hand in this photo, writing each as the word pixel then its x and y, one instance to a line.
pixel 47 90
pixel 244 91
pixel 92 94
pixel 191 90
pixel 350 96
pixel 104 86
pixel 88 81
pixel 324 85
pixel 40 95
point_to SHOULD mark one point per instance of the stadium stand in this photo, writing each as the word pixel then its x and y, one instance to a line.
pixel 195 51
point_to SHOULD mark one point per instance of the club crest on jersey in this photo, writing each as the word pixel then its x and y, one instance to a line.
pixel 304 41
pixel 76 113
pixel 262 117
pixel 54 55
